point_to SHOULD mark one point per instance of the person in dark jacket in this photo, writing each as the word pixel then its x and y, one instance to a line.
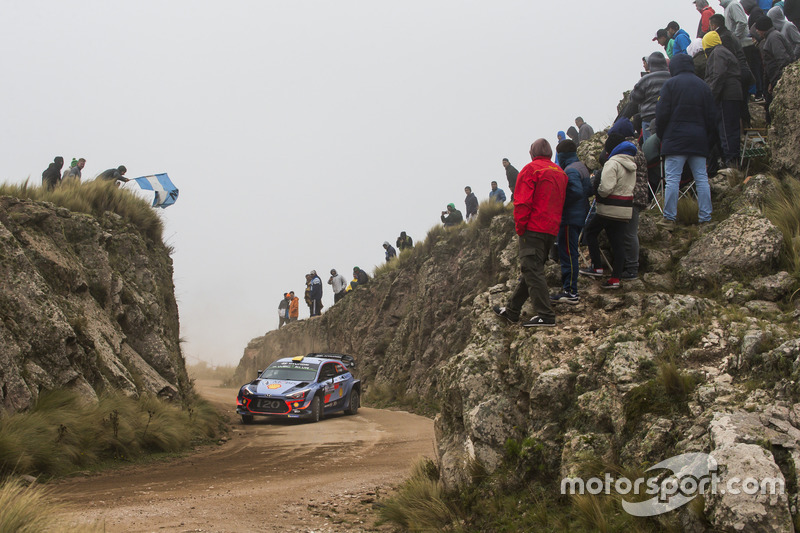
pixel 686 125
pixel 777 55
pixel 705 14
pixel 573 217
pixel 572 133
pixel 585 131
pixel 404 242
pixel 647 90
pixel 511 176
pixel 471 201
pixel 114 174
pixel 452 216
pixel 723 76
pixel 681 38
pixel 391 253
pixel 791 8
pixel 52 174
pixel 786 28
pixel 283 310
pixel 315 294
pixel 717 24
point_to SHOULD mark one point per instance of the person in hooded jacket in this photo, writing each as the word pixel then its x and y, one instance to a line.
pixel 686 124
pixel 283 310
pixel 538 204
pixel 681 38
pixel 786 28
pixel 717 24
pixel 315 294
pixel 614 197
pixel 391 253
pixel 705 14
pixel 452 216
pixel 471 203
pixel 573 217
pixel 723 76
pixel 52 174
pixel 645 93
pixel 736 22
pixel 777 56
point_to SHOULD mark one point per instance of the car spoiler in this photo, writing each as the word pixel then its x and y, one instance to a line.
pixel 348 360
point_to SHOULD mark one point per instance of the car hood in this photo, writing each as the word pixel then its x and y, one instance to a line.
pixel 275 387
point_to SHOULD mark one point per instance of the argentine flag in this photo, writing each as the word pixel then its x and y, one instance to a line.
pixel 165 192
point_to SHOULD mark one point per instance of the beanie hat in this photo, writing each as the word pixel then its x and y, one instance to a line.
pixel 711 39
pixel 614 139
pixel 622 127
pixel 764 23
pixel 566 146
pixel 451 205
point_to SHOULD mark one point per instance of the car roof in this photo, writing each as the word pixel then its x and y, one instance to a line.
pixel 313 360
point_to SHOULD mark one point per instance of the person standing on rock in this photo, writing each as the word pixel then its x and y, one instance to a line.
pixel 585 131
pixel 497 194
pixel 75 171
pixel 294 307
pixel 573 216
pixel 686 125
pixel 777 54
pixel 283 310
pixel 391 253
pixel 511 176
pixel 538 204
pixel 706 11
pixel 315 294
pixel 717 24
pixel 723 76
pixel 114 174
pixel 52 174
pixel 338 284
pixel 646 92
pixel 681 38
pixel 471 203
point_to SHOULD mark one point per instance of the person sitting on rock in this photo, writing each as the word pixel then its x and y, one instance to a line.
pixel 404 242
pixel 452 216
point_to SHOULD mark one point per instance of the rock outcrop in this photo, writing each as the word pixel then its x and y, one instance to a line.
pixel 86 303
pixel 784 135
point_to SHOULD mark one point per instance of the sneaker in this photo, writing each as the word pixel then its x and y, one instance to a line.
pixel 666 223
pixel 539 321
pixel 593 272
pixel 564 297
pixel 629 275
pixel 758 100
pixel 505 313
pixel 610 283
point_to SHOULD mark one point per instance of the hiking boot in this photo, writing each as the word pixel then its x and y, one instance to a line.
pixel 610 283
pixel 505 312
pixel 564 297
pixel 666 223
pixel 629 275
pixel 539 321
pixel 593 272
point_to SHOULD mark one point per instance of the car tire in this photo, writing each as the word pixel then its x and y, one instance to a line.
pixel 247 419
pixel 316 409
pixel 355 403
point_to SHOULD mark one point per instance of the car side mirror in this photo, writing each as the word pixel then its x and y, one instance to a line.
pixel 258 372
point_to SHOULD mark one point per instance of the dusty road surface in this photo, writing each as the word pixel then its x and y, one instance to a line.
pixel 270 476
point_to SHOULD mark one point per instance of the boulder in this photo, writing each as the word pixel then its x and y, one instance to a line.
pixel 784 135
pixel 773 288
pixel 589 150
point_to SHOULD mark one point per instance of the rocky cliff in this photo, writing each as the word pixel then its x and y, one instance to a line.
pixel 86 302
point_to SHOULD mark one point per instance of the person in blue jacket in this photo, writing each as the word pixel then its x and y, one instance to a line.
pixel 686 124
pixel 681 38
pixel 573 217
pixel 498 195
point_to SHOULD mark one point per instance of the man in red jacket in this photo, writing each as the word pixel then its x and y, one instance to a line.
pixel 538 201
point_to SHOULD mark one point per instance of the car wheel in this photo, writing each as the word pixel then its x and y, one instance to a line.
pixel 316 409
pixel 355 403
pixel 247 419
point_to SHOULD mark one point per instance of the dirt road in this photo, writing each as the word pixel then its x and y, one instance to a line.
pixel 270 476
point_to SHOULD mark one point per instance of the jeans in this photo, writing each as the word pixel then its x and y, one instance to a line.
pixel 673 166
pixel 645 130
pixel 533 251
pixel 632 243
pixel 615 231
pixel 568 257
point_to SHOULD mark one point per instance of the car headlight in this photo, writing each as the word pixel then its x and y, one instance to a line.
pixel 246 392
pixel 299 395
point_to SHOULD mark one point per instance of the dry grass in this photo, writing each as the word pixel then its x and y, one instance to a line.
pixel 687 211
pixel 782 209
pixel 28 509
pixel 94 198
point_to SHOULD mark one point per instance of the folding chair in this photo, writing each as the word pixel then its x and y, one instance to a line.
pixel 686 187
pixel 755 145
pixel 655 173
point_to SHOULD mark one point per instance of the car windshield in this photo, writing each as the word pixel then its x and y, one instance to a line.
pixel 291 371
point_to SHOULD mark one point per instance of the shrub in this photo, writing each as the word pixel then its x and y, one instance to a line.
pixel 781 209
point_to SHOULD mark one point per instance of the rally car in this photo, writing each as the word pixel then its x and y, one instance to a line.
pixel 302 387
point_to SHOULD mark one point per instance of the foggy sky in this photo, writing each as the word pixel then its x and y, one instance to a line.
pixel 304 134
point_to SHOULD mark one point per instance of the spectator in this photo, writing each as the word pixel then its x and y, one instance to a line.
pixel 585 131
pixel 787 29
pixel 283 310
pixel 452 216
pixel 791 8
pixel 511 176
pixel 52 174
pixel 685 123
pixel 614 197
pixel 561 136
pixel 471 201
pixel 573 217
pixel 497 194
pixel 338 284
pixel 315 294
pixel 360 276
pixel 404 242
pixel 538 202
pixel 114 174
pixel 294 307
pixel 681 38
pixel 391 253
pixel 572 133
pixel 777 56
pixel 723 76
pixel 645 93
pixel 75 170
pixel 705 14
pixel 698 57
pixel 736 22
pixel 307 295
pixel 664 40
pixel 717 24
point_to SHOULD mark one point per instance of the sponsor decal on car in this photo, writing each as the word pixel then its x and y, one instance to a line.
pixel 274 386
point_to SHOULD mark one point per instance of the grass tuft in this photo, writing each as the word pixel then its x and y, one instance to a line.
pixel 93 198
pixel 687 211
pixel 781 209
